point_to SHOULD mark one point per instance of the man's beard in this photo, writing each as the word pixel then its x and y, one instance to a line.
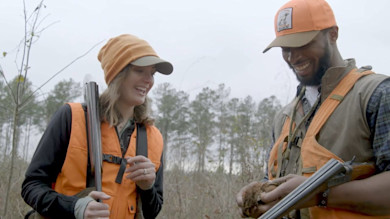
pixel 324 64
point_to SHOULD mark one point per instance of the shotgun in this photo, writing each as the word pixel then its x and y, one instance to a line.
pixel 333 173
pixel 91 98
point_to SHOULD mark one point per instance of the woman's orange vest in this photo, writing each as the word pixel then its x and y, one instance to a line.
pixel 72 178
pixel 313 155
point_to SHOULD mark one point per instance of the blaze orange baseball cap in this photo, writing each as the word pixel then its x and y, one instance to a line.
pixel 299 21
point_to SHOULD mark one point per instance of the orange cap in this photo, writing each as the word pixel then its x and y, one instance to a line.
pixel 128 49
pixel 299 21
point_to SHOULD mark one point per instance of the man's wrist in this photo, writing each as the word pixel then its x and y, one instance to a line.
pixel 323 198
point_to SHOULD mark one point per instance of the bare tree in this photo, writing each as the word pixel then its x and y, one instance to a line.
pixel 20 94
pixel 30 29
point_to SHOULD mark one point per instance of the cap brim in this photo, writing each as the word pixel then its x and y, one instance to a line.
pixel 293 40
pixel 162 66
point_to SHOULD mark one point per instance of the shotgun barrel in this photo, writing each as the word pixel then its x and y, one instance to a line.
pixel 91 98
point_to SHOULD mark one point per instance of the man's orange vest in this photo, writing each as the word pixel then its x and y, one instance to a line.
pixel 314 155
pixel 73 175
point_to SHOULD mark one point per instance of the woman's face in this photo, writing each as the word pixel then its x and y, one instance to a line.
pixel 136 85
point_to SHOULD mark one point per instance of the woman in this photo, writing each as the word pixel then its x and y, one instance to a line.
pixel 58 170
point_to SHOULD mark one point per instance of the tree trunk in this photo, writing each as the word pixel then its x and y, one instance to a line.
pixel 165 140
pixel 231 159
pixel 27 139
pixel 7 138
pixel 13 156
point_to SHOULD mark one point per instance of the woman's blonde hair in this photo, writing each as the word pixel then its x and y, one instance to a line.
pixel 110 97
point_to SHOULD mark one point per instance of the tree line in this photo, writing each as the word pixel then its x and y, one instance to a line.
pixel 213 131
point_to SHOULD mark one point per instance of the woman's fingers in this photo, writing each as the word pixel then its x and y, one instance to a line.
pixel 99 195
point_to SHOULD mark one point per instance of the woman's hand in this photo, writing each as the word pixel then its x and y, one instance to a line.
pixel 96 209
pixel 142 171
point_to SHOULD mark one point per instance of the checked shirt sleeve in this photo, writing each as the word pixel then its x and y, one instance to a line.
pixel 378 118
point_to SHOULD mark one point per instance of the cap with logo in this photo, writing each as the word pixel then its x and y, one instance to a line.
pixel 299 21
pixel 128 49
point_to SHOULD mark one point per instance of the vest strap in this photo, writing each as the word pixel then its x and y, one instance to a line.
pixel 141 149
pixel 337 97
pixel 121 171
pixel 112 159
pixel 142 141
pixel 309 169
pixel 333 100
pixel 116 160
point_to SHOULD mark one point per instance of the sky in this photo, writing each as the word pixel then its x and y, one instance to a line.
pixel 209 42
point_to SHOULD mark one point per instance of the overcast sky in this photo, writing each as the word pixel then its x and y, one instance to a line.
pixel 208 41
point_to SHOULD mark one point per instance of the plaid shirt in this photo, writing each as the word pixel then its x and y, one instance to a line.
pixel 378 118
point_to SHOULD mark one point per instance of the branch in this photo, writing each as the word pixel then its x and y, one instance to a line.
pixel 24 54
pixel 26 101
pixel 8 85
pixel 5 108
pixel 66 66
pixel 32 34
pixel 44 28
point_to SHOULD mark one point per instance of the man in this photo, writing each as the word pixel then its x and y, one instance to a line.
pixel 339 112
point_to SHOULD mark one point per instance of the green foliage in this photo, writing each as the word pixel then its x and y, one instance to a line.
pixel 63 92
pixel 172 120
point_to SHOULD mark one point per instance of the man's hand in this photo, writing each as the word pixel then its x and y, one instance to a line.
pixel 141 171
pixel 96 209
pixel 249 198
pixel 286 185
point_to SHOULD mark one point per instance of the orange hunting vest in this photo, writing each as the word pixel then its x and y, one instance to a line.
pixel 313 155
pixel 72 178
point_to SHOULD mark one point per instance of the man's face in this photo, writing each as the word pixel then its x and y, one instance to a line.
pixel 310 61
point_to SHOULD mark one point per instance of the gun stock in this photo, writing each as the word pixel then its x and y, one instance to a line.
pixel 91 97
pixel 331 174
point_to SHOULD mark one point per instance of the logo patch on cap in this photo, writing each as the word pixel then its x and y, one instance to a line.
pixel 285 19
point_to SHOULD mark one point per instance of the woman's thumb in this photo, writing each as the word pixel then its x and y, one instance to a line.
pixel 99 195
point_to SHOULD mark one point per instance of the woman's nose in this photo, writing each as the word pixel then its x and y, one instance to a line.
pixel 149 77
